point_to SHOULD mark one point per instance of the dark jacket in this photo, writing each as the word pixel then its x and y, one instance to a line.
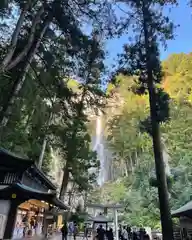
pixel 100 234
pixel 64 230
pixel 110 235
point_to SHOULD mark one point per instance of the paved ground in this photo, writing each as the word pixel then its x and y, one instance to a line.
pixel 56 237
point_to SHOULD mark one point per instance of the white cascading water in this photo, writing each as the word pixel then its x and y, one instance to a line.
pixel 102 153
pixel 56 171
pixel 166 158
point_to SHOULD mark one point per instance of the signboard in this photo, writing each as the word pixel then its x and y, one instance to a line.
pixel 3 219
pixel 49 217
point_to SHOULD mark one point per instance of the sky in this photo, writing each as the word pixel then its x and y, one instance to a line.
pixel 181 15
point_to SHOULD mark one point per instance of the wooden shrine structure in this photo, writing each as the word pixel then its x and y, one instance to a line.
pixel 184 213
pixel 105 208
pixel 20 181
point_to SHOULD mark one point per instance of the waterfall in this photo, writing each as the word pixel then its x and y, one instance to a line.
pixel 56 171
pixel 166 158
pixel 102 153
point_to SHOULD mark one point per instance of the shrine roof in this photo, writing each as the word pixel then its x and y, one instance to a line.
pixel 41 175
pixel 13 161
pixel 183 211
pixel 102 206
pixel 24 193
pixel 98 219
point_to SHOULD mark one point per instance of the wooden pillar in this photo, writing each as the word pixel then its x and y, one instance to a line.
pixel 11 219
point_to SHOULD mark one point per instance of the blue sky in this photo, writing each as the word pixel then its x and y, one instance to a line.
pixel 183 40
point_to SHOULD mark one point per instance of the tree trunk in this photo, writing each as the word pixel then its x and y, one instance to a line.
pixel 166 220
pixel 85 201
pixel 136 158
pixel 131 163
pixel 19 81
pixel 14 38
pixel 64 182
pixel 29 118
pixel 126 164
pixel 71 193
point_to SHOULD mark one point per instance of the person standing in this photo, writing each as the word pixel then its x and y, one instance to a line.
pixel 125 233
pixel 110 234
pixel 134 235
pixel 120 232
pixel 75 231
pixel 100 233
pixel 64 231
pixel 85 235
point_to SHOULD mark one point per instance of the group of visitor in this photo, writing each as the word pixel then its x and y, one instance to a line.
pixel 104 234
pixel 126 233
pixel 69 229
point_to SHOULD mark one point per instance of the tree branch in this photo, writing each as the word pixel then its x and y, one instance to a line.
pixel 15 36
pixel 21 56
pixel 41 83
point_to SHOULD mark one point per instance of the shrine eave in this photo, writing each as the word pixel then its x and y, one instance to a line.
pixel 24 193
pixel 103 206
pixel 184 211
pixel 35 170
pixel 10 160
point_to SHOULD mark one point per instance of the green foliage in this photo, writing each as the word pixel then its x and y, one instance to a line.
pixel 125 138
pixel 39 98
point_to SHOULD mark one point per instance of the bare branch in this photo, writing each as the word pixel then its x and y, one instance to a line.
pixel 21 56
pixel 15 36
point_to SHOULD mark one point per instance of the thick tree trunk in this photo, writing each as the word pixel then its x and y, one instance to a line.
pixel 19 81
pixel 166 220
pixel 14 38
pixel 65 182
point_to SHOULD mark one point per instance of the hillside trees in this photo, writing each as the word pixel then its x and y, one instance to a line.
pixel 176 133
pixel 128 142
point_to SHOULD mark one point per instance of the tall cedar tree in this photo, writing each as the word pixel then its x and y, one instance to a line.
pixel 141 58
pixel 90 72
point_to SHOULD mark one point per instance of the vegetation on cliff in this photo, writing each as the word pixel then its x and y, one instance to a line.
pixel 133 158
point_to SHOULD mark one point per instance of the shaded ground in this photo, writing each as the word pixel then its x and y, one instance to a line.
pixel 56 237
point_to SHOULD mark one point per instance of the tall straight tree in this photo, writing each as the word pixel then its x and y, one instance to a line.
pixel 88 97
pixel 141 58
